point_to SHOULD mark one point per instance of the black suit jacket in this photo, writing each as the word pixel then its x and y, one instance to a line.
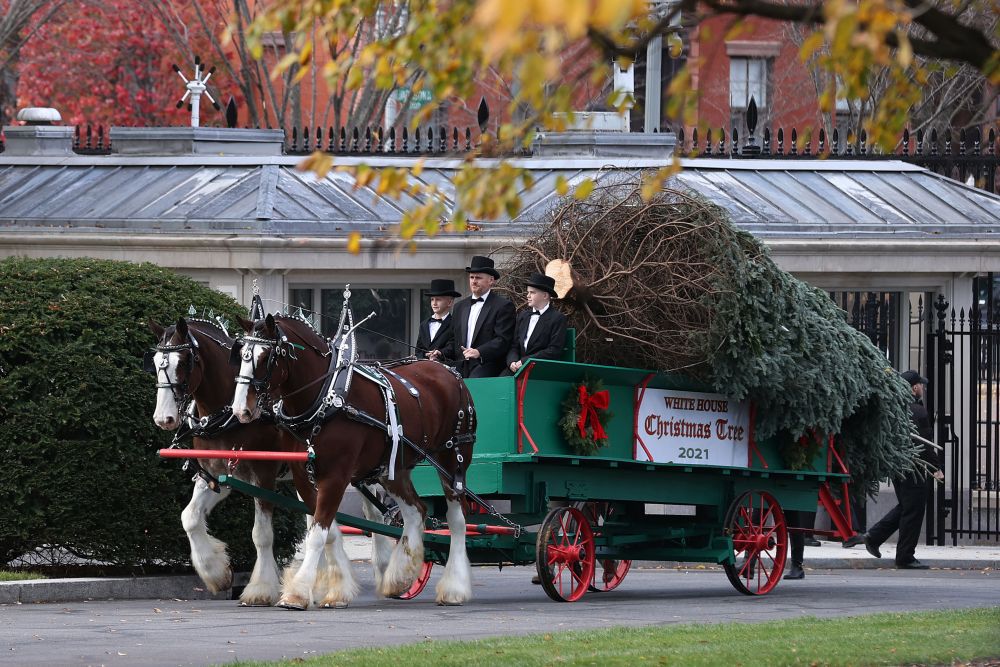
pixel 547 340
pixel 444 340
pixel 492 337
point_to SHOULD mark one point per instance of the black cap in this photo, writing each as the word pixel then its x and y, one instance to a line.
pixel 481 264
pixel 544 283
pixel 442 287
pixel 913 377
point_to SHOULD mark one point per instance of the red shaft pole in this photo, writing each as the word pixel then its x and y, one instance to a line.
pixel 243 455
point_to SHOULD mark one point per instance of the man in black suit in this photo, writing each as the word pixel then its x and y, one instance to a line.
pixel 911 490
pixel 437 335
pixel 540 332
pixel 484 324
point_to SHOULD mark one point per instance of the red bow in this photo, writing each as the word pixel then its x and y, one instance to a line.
pixel 589 405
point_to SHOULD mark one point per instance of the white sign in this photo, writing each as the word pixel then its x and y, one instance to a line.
pixel 692 428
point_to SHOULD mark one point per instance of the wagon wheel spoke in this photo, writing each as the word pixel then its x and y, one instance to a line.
pixel 760 537
pixel 565 554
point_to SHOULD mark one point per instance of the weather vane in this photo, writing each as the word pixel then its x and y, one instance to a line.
pixel 196 88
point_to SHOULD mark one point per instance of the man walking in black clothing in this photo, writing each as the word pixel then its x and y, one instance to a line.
pixel 911 491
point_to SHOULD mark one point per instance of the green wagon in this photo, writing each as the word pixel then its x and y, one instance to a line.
pixel 582 519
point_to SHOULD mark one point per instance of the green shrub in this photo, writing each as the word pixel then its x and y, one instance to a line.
pixel 77 439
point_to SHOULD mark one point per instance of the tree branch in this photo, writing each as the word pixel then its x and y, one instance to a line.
pixel 953 40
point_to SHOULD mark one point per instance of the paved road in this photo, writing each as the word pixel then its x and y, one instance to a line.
pixel 174 632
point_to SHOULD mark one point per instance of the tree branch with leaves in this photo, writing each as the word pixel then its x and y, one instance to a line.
pixel 446 47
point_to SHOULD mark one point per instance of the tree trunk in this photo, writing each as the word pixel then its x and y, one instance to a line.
pixel 9 77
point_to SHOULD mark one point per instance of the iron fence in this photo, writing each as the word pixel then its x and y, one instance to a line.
pixel 971 156
pixel 964 370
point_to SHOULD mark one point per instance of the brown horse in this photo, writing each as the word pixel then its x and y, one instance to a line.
pixel 344 411
pixel 191 363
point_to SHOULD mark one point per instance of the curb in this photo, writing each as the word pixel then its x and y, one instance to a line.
pixel 184 587
pixel 190 587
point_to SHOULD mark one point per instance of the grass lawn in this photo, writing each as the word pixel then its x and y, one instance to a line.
pixel 19 576
pixel 923 638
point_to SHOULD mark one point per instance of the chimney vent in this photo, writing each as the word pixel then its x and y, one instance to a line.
pixel 39 116
pixel 39 137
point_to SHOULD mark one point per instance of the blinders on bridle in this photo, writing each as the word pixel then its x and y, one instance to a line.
pixel 279 347
pixel 180 389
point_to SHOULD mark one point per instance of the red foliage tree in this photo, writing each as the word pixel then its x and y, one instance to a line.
pixel 110 63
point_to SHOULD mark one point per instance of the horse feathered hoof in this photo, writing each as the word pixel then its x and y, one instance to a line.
pixel 450 603
pixel 293 604
pixel 258 597
pixel 339 604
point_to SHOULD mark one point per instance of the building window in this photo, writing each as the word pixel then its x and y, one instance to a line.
pixel 749 78
pixel 385 336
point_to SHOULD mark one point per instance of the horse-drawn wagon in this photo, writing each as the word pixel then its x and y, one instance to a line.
pixel 681 478
pixel 680 475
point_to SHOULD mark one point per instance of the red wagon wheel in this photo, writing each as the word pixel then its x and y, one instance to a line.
pixel 760 542
pixel 418 584
pixel 611 572
pixel 565 554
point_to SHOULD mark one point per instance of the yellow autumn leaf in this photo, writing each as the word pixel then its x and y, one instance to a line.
pixel 675 45
pixel 318 162
pixel 355 78
pixel 584 189
pixel 811 45
pixel 363 176
pixel 904 53
pixel 354 243
pixel 562 186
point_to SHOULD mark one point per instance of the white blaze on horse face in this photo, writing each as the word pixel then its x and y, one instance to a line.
pixel 167 414
pixel 242 408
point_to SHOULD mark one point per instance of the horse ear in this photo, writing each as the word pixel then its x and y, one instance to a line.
pixel 245 323
pixel 269 322
pixel 155 327
pixel 182 328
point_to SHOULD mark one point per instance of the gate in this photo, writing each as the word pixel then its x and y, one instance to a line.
pixel 963 364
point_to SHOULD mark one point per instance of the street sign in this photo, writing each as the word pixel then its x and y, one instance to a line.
pixel 417 100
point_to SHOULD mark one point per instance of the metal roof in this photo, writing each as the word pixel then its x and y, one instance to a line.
pixel 268 196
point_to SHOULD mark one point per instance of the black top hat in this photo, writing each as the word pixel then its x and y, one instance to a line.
pixel 482 265
pixel 544 283
pixel 913 377
pixel 442 287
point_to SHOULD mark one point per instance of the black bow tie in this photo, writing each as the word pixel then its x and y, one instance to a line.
pixel 535 312
pixel 479 300
pixel 434 319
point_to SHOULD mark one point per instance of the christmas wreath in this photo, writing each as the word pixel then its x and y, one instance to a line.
pixel 585 414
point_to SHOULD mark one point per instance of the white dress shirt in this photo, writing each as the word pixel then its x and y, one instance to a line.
pixel 473 318
pixel 532 321
pixel 435 325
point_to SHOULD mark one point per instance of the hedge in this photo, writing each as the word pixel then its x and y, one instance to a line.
pixel 77 439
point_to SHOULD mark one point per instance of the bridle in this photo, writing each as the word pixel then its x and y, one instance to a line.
pixel 278 347
pixel 181 391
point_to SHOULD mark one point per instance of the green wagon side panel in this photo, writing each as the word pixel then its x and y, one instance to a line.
pixel 499 470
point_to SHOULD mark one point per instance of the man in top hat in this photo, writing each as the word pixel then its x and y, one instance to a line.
pixel 911 490
pixel 540 331
pixel 484 324
pixel 435 339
